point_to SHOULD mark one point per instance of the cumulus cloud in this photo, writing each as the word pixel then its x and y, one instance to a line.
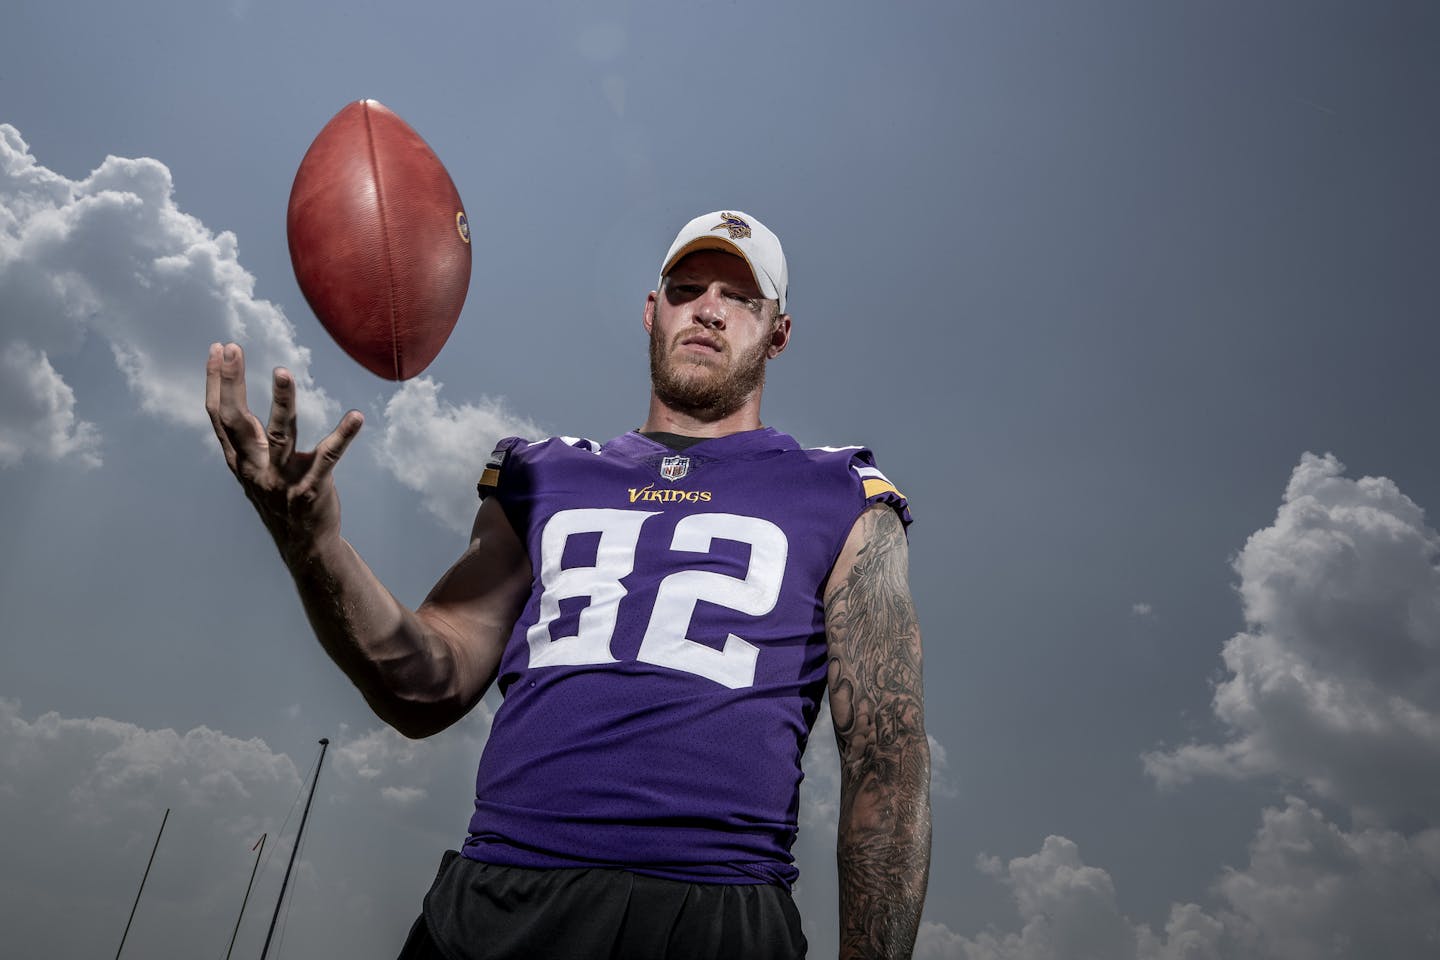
pixel 936 941
pixel 1335 682
pixel 37 411
pixel 1190 934
pixel 1068 911
pixel 381 759
pixel 403 796
pixel 112 256
pixel 942 784
pixel 106 784
pixel 1334 686
pixel 438 449
pixel 1312 889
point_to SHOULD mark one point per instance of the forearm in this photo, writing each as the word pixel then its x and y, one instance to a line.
pixel 877 705
pixel 408 670
pixel 418 672
pixel 883 848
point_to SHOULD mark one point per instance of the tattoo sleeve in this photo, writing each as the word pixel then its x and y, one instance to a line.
pixel 877 703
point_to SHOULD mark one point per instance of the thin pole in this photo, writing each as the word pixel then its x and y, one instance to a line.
pixel 259 845
pixel 324 743
pixel 143 878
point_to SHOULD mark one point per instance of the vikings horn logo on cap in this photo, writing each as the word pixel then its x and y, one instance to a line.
pixel 739 229
pixel 739 233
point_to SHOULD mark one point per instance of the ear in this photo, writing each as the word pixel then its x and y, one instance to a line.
pixel 779 337
pixel 648 318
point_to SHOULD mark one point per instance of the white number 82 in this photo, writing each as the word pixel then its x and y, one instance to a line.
pixel 665 643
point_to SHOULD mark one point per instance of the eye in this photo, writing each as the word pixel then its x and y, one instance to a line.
pixel 749 303
pixel 678 293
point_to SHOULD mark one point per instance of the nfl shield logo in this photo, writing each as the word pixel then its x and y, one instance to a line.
pixel 673 468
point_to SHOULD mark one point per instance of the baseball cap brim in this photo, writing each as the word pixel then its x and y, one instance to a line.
pixel 762 279
pixel 758 247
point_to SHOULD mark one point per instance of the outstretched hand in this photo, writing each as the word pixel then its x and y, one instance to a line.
pixel 293 490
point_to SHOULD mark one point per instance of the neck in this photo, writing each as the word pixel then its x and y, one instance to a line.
pixel 664 418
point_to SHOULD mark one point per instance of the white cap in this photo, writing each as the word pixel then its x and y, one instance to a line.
pixel 735 231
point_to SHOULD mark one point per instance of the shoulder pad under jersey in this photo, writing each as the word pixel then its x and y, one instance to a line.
pixel 874 486
pixel 512 446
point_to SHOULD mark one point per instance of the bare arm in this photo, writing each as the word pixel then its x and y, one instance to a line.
pixel 419 670
pixel 877 703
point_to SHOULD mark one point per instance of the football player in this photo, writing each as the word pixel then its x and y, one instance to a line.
pixel 662 613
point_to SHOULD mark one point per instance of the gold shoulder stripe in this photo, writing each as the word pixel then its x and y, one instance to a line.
pixel 875 486
pixel 489 477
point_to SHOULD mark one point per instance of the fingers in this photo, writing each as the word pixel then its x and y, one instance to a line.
pixel 328 453
pixel 250 449
pixel 212 402
pixel 280 434
pixel 236 427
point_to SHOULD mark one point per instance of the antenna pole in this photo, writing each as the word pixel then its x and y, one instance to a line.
pixel 324 743
pixel 260 846
pixel 143 878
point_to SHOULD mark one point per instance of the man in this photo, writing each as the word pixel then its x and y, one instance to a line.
pixel 662 613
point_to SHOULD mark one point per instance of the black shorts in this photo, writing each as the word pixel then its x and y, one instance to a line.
pixel 480 911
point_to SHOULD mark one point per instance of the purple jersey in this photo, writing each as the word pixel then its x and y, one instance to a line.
pixel 663 678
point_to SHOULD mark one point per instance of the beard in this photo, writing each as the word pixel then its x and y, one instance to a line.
pixel 706 391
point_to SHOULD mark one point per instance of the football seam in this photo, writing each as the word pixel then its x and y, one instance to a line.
pixel 384 241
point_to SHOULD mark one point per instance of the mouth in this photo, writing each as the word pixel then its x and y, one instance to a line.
pixel 701 342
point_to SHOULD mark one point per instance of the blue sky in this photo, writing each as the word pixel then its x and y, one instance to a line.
pixel 1102 284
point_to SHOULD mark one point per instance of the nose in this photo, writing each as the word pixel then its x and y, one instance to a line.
pixel 710 310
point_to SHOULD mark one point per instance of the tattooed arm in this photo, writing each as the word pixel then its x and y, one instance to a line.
pixel 876 701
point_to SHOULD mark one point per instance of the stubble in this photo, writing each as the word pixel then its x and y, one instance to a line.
pixel 706 391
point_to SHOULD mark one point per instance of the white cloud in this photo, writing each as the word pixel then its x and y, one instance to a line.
pixel 438 448
pixel 1190 934
pixel 37 411
pixel 1068 911
pixel 403 796
pixel 941 784
pixel 113 256
pixel 103 786
pixel 935 941
pixel 1335 682
pixel 381 759
pixel 1141 609
pixel 1312 889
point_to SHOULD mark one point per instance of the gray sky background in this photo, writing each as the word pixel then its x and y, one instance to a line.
pixel 1135 301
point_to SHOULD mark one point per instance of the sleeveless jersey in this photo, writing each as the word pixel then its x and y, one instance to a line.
pixel 661 683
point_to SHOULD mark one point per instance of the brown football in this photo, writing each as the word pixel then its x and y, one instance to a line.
pixel 379 240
